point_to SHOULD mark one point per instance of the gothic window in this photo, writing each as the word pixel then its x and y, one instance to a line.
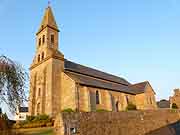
pixel 117 106
pixel 97 98
pixel 39 41
pixel 39 92
pixel 42 55
pixel 52 39
pixel 43 40
pixel 39 58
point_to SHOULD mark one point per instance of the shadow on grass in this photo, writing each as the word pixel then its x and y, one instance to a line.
pixel 170 129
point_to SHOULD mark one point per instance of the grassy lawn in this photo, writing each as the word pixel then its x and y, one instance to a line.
pixel 37 131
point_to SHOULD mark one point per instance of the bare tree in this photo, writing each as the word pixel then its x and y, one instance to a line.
pixel 12 83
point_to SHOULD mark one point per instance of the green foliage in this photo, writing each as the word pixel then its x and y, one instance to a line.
pixel 41 118
pixel 30 118
pixel 174 106
pixel 35 122
pixel 130 107
pixel 101 110
pixel 12 83
pixel 68 110
pixel 5 117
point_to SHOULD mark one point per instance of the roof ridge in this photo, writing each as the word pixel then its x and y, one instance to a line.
pixel 96 70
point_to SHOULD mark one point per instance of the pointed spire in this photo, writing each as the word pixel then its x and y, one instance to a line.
pixel 48 20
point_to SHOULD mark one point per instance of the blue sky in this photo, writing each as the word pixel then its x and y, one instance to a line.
pixel 135 39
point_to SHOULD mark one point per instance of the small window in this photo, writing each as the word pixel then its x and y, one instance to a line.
pixel 39 57
pixel 39 92
pixel 43 40
pixel 52 39
pixel 42 55
pixel 97 98
pixel 39 41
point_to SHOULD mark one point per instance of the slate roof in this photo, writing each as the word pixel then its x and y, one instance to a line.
pixel 139 87
pixel 98 83
pixel 77 68
pixel 23 109
pixel 95 78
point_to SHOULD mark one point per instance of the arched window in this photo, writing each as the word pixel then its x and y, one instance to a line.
pixel 52 39
pixel 39 92
pixel 97 98
pixel 42 55
pixel 38 108
pixel 117 106
pixel 127 99
pixel 39 41
pixel 39 58
pixel 43 40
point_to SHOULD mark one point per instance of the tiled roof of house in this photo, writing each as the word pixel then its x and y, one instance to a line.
pixel 23 109
pixel 98 83
pixel 73 67
pixel 163 103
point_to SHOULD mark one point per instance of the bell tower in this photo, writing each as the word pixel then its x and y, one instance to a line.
pixel 46 69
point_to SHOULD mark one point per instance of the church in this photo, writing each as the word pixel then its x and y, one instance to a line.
pixel 57 84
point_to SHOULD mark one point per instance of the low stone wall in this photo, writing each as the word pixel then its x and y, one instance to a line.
pixel 114 123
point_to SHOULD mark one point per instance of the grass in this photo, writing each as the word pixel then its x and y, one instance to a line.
pixel 32 131
pixel 37 131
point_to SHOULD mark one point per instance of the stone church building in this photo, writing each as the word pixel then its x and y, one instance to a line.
pixel 57 84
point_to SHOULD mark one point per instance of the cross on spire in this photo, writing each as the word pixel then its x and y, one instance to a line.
pixel 49 3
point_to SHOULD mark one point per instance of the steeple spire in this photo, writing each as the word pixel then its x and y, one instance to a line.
pixel 48 20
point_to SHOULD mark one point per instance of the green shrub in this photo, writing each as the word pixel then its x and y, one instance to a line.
pixel 68 110
pixel 35 122
pixel 41 118
pixel 30 118
pixel 174 106
pixel 101 110
pixel 130 107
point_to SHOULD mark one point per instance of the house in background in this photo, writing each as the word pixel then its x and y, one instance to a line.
pixel 163 104
pixel 21 114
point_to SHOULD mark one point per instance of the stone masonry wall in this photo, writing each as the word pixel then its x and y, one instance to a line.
pixel 114 123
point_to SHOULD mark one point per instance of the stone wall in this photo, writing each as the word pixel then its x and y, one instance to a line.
pixel 114 123
pixel 105 98
pixel 68 93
